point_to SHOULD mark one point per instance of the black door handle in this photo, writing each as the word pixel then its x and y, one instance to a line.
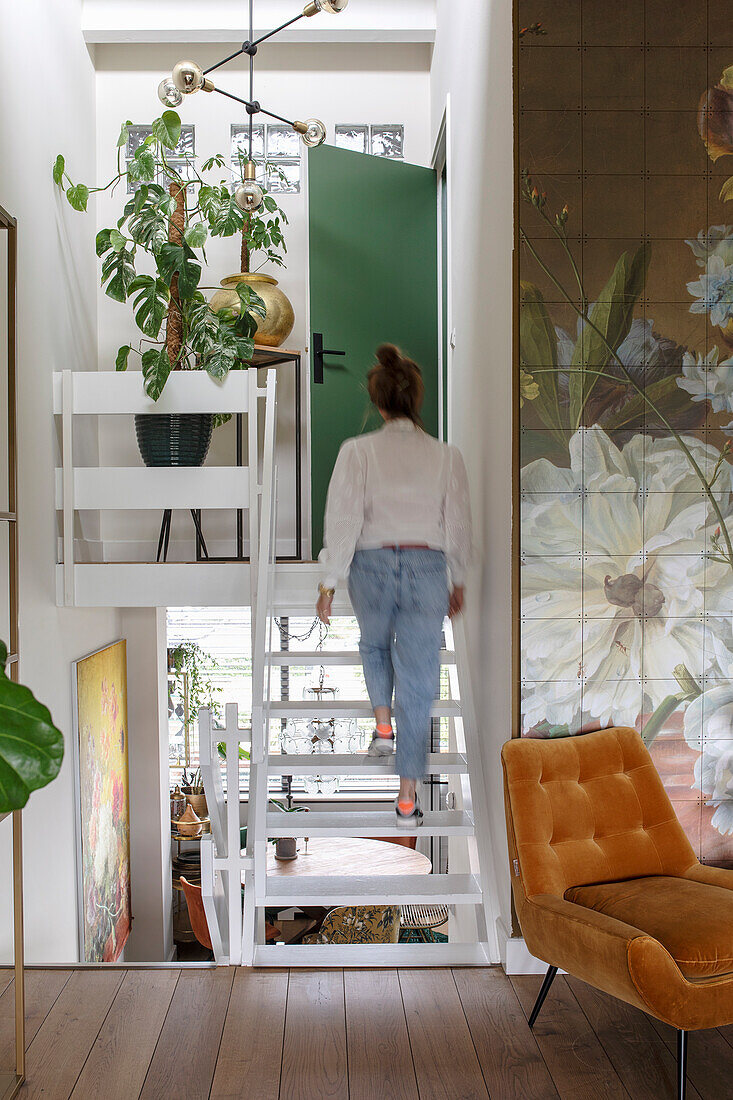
pixel 318 352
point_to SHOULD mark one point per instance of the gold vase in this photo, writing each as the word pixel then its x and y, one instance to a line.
pixel 272 330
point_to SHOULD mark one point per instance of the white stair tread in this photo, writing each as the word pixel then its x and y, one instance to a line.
pixel 439 763
pixel 354 708
pixel 373 954
pixel 368 823
pixel 333 657
pixel 370 889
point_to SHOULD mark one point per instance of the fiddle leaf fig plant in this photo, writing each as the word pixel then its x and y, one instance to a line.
pixel 166 225
pixel 31 747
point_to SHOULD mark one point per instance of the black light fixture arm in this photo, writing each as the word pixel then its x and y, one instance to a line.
pixel 253 107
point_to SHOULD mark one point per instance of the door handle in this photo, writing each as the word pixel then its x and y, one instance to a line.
pixel 318 352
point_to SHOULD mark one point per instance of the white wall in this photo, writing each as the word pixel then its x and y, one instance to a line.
pixel 151 938
pixel 47 106
pixel 338 83
pixel 225 20
pixel 473 62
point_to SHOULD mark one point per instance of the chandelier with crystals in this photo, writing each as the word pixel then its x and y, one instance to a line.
pixel 188 77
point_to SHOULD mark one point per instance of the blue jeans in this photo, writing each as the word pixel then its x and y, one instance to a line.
pixel 400 598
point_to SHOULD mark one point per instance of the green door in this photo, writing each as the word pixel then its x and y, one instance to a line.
pixel 373 280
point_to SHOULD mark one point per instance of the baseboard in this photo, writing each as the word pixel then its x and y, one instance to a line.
pixel 514 953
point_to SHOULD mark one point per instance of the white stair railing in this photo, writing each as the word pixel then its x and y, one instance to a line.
pixel 224 867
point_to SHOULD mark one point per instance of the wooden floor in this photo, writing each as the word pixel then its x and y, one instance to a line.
pixel 345 1035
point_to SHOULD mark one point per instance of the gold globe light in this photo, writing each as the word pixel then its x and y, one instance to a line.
pixel 249 195
pixel 312 131
pixel 168 93
pixel 334 7
pixel 188 77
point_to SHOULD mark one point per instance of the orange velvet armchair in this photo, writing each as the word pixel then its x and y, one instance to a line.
pixel 607 886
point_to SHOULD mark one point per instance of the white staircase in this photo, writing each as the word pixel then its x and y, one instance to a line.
pixel 237 928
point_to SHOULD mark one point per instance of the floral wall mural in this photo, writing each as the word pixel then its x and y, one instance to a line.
pixel 625 382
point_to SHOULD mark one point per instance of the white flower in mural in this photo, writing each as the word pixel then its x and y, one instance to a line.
pixel 705 379
pixel 714 289
pixel 709 729
pixel 633 608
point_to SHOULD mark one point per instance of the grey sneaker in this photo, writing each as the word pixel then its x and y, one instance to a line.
pixel 412 820
pixel 381 746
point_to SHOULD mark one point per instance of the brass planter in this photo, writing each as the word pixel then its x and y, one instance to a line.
pixel 274 329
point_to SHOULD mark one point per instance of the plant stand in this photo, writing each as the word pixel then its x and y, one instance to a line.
pixel 202 553
pixel 270 357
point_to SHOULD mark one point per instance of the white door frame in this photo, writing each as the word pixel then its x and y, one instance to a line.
pixel 442 160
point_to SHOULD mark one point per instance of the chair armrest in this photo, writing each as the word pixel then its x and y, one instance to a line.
pixel 589 945
pixel 711 876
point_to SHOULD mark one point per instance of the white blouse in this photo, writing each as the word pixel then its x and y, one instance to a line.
pixel 396 486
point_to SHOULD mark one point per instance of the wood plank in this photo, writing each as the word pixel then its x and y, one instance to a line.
pixel 574 1056
pixel 64 1039
pixel 709 1059
pixel 640 1057
pixel 185 1057
pixel 507 1050
pixel 252 1043
pixel 122 1052
pixel 314 1049
pixel 442 1049
pixel 42 987
pixel 6 977
pixel 378 1046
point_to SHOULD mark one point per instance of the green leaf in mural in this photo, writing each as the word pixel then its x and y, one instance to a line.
pixel 538 348
pixel 611 316
pixel 156 368
pixel 31 748
pixel 666 396
pixel 167 129
pixel 150 304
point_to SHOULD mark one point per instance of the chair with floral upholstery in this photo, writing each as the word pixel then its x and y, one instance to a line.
pixel 359 924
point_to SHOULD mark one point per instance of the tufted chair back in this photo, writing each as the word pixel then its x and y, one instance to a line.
pixel 588 809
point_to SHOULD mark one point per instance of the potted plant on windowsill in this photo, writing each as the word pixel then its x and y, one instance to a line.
pixel 179 329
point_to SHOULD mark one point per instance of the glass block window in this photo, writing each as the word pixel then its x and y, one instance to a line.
pixel 180 158
pixel 274 145
pixel 381 140
pixel 355 138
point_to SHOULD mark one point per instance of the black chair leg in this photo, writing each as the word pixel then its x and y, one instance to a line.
pixel 681 1064
pixel 545 989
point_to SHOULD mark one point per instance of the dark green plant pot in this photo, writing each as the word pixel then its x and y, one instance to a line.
pixel 174 439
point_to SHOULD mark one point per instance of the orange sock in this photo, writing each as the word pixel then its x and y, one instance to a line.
pixel 406 807
pixel 384 730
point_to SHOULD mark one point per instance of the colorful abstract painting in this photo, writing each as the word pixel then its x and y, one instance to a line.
pixel 101 701
pixel 625 382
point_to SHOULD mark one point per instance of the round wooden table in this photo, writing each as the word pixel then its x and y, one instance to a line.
pixel 349 856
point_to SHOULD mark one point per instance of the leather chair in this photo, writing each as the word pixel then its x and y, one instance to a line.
pixel 607 886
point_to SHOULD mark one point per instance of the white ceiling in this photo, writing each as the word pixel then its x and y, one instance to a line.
pixel 158 21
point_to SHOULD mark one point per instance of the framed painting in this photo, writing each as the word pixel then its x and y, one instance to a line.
pixel 103 817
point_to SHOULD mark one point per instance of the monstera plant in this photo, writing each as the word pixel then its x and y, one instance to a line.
pixel 31 748
pixel 164 225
